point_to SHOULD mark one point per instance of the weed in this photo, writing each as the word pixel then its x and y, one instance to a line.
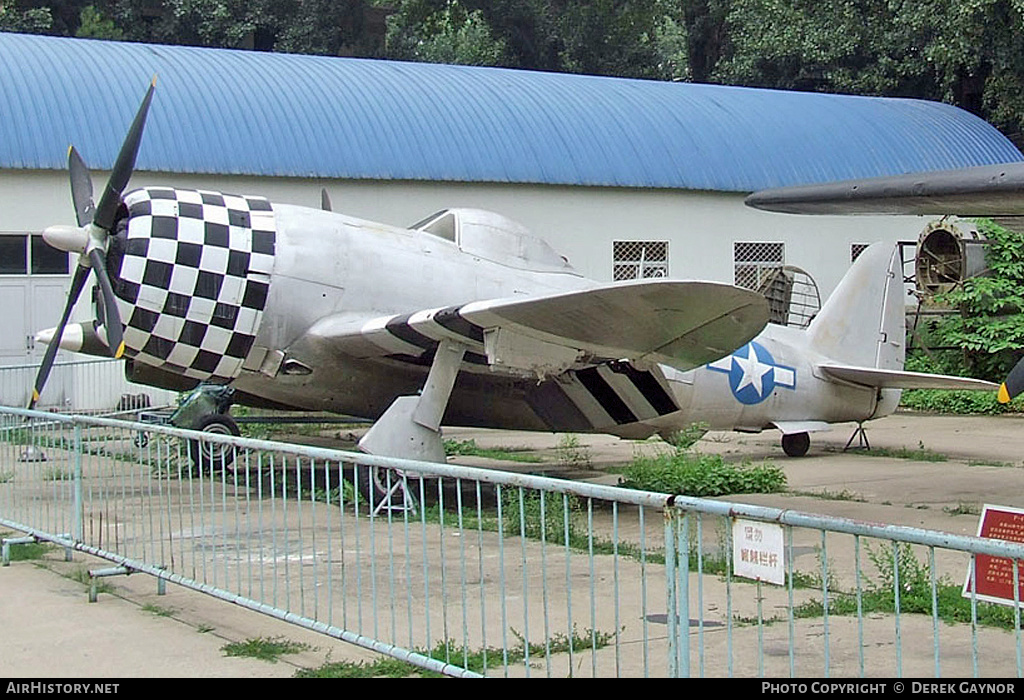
pixel 6 476
pixel 827 495
pixel 572 453
pixel 158 611
pixel 963 509
pixel 81 575
pixel 470 448
pixel 701 475
pixel 915 593
pixel 203 629
pixel 538 515
pixel 58 474
pixel 921 454
pixel 478 661
pixel 264 648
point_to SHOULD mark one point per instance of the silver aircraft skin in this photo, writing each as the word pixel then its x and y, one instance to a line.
pixel 463 319
pixel 349 324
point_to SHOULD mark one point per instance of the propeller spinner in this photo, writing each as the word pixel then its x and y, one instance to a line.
pixel 90 239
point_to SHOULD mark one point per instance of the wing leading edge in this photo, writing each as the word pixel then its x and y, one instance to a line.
pixel 681 323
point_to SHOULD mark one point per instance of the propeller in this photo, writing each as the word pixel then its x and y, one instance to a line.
pixel 1013 384
pixel 90 239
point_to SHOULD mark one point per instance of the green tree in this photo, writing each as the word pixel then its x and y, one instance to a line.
pixel 988 325
pixel 30 21
pixel 452 34
pixel 95 25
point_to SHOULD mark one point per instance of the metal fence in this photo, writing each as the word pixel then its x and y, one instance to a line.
pixel 80 386
pixel 477 572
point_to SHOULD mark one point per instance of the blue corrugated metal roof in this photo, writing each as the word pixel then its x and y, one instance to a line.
pixel 238 112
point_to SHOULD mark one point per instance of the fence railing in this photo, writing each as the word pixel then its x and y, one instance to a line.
pixel 470 571
pixel 80 386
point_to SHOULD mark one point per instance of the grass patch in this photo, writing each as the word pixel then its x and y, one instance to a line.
pixel 470 448
pixel 915 594
pixel 31 551
pixel 478 661
pixel 81 575
pixel 158 611
pixel 58 474
pixel 684 471
pixel 6 476
pixel 701 475
pixel 920 454
pixel 264 648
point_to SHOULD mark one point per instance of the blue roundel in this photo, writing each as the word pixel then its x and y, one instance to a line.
pixel 753 373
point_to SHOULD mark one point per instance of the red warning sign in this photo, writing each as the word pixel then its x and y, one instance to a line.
pixel 995 574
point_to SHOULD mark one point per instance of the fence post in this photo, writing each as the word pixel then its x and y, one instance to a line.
pixel 77 506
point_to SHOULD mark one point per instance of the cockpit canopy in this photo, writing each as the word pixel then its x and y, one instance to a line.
pixel 494 237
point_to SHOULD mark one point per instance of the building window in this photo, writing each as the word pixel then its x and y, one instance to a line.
pixel 47 260
pixel 21 254
pixel 856 249
pixel 754 261
pixel 633 260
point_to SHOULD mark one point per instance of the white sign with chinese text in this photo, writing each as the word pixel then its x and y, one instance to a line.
pixel 757 551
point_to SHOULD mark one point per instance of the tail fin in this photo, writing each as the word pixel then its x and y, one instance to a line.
pixel 863 323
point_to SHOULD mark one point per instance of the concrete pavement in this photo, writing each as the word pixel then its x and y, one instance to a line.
pixel 49 630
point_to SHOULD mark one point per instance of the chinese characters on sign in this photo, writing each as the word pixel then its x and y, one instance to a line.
pixel 995 574
pixel 757 551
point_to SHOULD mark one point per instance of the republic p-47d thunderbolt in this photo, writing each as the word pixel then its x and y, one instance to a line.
pixel 463 319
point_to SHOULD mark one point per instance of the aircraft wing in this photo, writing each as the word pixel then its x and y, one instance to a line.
pixel 899 379
pixel 986 190
pixel 681 323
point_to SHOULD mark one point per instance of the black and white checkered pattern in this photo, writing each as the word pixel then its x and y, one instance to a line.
pixel 194 278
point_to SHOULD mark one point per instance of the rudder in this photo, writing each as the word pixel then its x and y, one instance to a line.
pixel 863 323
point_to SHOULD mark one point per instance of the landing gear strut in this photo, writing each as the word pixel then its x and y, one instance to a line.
pixel 411 427
pixel 796 444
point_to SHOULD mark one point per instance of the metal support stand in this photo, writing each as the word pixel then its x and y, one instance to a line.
pixel 861 436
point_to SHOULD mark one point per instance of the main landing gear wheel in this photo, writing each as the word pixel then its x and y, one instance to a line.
pixel 208 457
pixel 796 444
pixel 384 489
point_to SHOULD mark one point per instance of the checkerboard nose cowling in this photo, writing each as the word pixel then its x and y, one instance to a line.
pixel 191 271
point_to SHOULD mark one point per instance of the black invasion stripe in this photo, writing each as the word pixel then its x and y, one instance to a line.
pixel 648 386
pixel 449 318
pixel 400 328
pixel 606 396
pixel 427 358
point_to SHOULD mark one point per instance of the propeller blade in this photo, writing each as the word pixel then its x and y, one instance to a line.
pixel 81 188
pixel 123 166
pixel 111 316
pixel 77 283
pixel 325 200
pixel 1014 383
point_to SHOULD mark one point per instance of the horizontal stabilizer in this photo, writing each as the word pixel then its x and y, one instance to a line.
pixel 987 190
pixel 898 379
pixel 682 323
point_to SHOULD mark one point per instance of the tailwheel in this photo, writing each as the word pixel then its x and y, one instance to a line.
pixel 796 444
pixel 207 457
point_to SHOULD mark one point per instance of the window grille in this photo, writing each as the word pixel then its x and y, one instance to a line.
pixel 754 262
pixel 639 259
pixel 856 249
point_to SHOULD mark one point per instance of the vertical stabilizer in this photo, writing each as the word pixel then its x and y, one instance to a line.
pixel 863 323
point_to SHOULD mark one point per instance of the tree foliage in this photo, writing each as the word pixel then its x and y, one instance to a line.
pixel 988 323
